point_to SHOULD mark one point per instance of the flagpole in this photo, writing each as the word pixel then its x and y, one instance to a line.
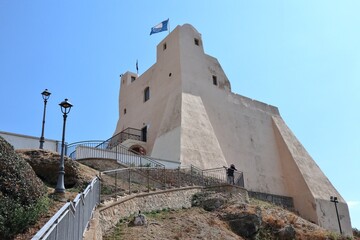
pixel 137 67
pixel 169 25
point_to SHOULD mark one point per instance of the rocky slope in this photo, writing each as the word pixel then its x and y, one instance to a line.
pixel 256 220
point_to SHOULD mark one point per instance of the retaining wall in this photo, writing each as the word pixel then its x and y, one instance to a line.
pixel 111 212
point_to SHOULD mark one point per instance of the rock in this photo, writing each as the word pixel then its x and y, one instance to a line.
pixel 208 200
pixel 46 165
pixel 18 180
pixel 139 220
pixel 246 225
pixel 287 233
pixel 212 204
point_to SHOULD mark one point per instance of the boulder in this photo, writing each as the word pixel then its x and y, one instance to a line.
pixel 46 165
pixel 210 201
pixel 18 180
pixel 244 224
pixel 287 233
pixel 139 220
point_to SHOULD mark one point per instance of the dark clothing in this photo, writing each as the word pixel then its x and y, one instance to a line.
pixel 230 171
pixel 230 174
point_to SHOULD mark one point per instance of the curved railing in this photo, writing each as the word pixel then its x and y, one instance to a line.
pixel 70 149
pixel 102 150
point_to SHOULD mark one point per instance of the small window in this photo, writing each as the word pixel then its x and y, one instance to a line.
pixel 146 94
pixel 196 41
pixel 164 46
pixel 214 80
pixel 133 78
pixel 124 111
pixel 144 134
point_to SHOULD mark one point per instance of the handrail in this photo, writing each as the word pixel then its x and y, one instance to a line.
pixel 51 222
pixel 123 133
pixel 81 215
pixel 100 149
pixel 169 178
pixel 77 143
pixel 126 169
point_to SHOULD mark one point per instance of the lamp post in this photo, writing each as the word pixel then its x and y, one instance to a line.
pixel 335 201
pixel 65 109
pixel 45 95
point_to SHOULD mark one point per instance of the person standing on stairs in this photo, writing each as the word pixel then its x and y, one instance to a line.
pixel 230 174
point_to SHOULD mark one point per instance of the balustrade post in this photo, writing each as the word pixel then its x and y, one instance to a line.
pixel 179 176
pixel 148 179
pixel 115 182
pixel 191 175
pixel 129 181
pixel 164 170
pixel 202 176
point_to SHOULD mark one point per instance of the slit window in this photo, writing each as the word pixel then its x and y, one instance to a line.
pixel 144 134
pixel 214 78
pixel 164 46
pixel 146 94
pixel 124 111
pixel 196 41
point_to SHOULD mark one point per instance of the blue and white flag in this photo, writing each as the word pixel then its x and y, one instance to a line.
pixel 163 26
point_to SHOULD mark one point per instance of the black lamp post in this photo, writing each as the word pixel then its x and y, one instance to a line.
pixel 65 109
pixel 335 201
pixel 45 95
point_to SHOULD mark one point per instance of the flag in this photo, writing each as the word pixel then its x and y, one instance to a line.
pixel 163 26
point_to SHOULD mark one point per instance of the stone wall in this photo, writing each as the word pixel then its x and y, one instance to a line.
pixel 111 212
pixel 283 201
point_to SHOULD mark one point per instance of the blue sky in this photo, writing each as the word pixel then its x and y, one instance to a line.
pixel 301 56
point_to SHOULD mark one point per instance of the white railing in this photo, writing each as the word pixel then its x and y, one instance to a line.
pixel 71 221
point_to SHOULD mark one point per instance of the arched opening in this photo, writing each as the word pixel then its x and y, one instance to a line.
pixel 138 149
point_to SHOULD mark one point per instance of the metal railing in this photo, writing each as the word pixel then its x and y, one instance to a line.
pixel 209 177
pixel 128 133
pixel 72 219
pixel 146 179
pixel 70 149
pixel 100 150
pixel 216 176
pixel 132 180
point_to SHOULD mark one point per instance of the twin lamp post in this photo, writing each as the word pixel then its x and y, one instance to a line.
pixel 65 107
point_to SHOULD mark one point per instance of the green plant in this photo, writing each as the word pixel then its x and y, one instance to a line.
pixel 15 217
pixel 105 190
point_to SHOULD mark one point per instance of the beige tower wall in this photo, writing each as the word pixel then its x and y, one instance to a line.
pixel 197 122
pixel 241 126
pixel 164 81
pixel 307 184
pixel 199 144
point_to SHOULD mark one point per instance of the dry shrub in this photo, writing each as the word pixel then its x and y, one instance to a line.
pixel 212 222
pixel 292 218
pixel 274 222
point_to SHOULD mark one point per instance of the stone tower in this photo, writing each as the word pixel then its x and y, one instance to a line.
pixel 185 106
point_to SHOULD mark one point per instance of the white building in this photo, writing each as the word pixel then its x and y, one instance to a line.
pixel 186 110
